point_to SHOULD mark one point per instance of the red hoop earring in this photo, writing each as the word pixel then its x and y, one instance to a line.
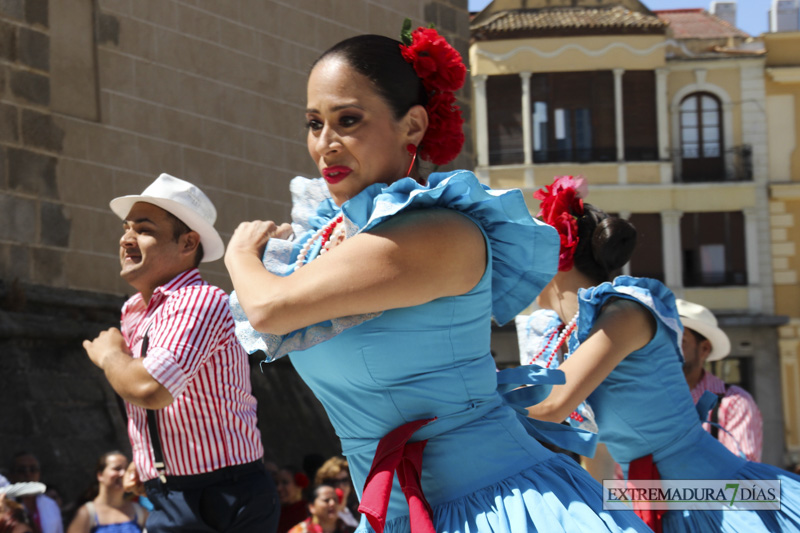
pixel 412 149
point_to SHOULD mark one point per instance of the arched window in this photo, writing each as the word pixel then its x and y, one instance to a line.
pixel 702 150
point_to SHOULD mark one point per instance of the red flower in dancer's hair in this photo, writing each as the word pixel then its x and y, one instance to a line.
pixel 562 204
pixel 567 227
pixel 441 70
pixel 444 138
pixel 438 64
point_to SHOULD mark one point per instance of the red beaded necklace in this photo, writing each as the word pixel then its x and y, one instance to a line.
pixel 564 332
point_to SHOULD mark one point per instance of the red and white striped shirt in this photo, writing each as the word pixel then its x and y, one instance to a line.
pixel 194 354
pixel 738 414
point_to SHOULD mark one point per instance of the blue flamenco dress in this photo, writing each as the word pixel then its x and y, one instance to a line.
pixel 465 458
pixel 644 407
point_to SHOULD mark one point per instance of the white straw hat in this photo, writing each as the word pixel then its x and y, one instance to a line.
pixel 700 319
pixel 185 201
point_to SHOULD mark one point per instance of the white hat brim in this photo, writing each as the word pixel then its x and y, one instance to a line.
pixel 720 344
pixel 213 247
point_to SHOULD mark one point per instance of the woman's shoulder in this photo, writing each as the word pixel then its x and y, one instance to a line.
pixel 524 251
pixel 651 295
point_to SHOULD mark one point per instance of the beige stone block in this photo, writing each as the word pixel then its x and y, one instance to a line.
pixel 240 108
pixel 780 263
pixel 161 84
pixel 231 211
pixel 15 262
pixel 334 31
pixel 137 38
pixel 198 23
pixel 94 230
pixel 115 71
pixel 239 37
pixel 77 134
pixel 779 234
pixel 73 81
pixel 84 184
pixel 293 87
pixel 243 177
pixel 259 76
pixel 136 116
pixel 781 221
pixel 113 148
pixel 128 182
pixel 122 7
pixel 381 19
pixel 47 266
pixel 203 168
pixel 786 332
pixel 94 272
pixel 776 208
pixel 786 277
pixel 180 127
pixel 161 12
pixel 223 138
pixel 785 249
pixel 277 209
pixel 157 156
pixel 228 10
pixel 258 14
pixel 297 159
pixel 265 150
pixel 174 49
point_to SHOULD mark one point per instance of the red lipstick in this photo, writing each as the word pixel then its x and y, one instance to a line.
pixel 335 174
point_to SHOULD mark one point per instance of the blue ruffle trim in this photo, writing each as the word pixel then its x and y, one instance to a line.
pixel 651 293
pixel 524 250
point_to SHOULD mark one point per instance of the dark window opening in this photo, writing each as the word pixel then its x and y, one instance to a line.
pixel 713 249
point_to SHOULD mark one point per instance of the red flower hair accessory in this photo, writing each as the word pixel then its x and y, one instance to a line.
pixel 301 480
pixel 442 72
pixel 561 206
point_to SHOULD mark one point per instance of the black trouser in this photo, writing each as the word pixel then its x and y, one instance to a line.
pixel 237 499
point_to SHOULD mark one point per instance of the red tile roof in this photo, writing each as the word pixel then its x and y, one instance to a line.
pixel 697 24
pixel 616 19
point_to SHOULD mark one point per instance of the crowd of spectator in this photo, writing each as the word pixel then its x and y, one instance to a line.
pixel 113 502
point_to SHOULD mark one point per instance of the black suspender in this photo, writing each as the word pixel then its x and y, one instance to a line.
pixel 715 414
pixel 152 425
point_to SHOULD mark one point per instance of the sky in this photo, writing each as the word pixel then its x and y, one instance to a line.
pixel 751 15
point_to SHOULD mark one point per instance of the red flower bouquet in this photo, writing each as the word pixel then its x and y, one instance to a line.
pixel 561 205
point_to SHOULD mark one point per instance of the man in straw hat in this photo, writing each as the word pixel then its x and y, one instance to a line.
pixel 736 412
pixel 183 375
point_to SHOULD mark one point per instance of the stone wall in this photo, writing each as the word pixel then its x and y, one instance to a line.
pixel 96 99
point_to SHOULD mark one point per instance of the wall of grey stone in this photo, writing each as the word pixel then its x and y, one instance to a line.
pixel 96 99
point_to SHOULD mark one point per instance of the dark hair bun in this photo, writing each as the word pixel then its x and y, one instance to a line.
pixel 605 243
pixel 613 242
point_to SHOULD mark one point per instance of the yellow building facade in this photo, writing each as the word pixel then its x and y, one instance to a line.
pixel 691 137
pixel 782 81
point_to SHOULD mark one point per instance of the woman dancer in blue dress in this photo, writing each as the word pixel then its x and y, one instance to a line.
pixel 623 344
pixel 383 300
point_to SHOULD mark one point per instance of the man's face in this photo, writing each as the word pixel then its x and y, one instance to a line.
pixel 148 252
pixel 695 351
pixel 26 468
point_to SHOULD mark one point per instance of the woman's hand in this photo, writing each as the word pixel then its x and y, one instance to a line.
pixel 251 237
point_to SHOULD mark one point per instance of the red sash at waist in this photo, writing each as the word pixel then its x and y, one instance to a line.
pixel 644 468
pixel 396 454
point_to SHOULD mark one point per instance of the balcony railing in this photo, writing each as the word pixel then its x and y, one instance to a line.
pixel 735 164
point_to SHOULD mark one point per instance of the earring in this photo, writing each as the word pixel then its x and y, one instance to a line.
pixel 412 150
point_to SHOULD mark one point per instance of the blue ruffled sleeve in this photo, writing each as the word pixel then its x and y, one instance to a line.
pixel 524 250
pixel 651 293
